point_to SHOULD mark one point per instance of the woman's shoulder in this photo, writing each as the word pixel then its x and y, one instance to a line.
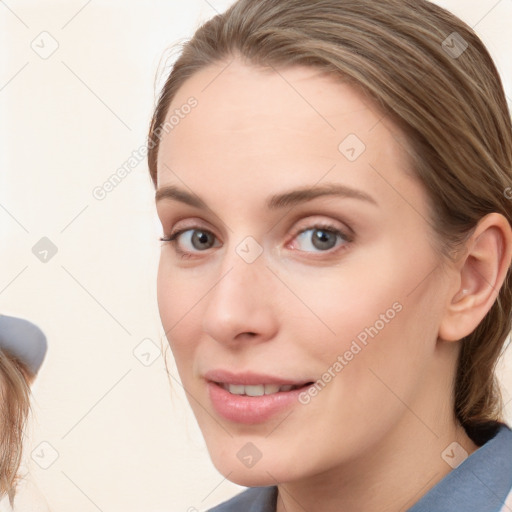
pixel 254 499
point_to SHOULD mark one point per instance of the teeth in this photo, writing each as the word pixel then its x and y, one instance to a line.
pixel 270 389
pixel 237 389
pixel 256 390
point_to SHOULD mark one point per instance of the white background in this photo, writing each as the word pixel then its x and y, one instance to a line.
pixel 125 437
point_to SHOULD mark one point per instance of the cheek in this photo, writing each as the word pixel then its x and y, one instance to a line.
pixel 340 303
pixel 179 291
pixel 375 312
pixel 177 305
pixel 167 299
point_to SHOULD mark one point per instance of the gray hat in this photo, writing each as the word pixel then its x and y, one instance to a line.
pixel 23 340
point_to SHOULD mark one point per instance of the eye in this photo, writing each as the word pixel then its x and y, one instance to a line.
pixel 320 238
pixel 191 240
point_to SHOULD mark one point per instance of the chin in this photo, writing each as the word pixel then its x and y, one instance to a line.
pixel 249 477
pixel 275 469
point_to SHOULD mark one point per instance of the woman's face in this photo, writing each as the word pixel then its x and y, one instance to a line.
pixel 303 257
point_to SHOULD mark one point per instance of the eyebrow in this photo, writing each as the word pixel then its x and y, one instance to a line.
pixel 278 201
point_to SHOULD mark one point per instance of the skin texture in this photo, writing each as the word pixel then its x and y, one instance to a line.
pixel 372 439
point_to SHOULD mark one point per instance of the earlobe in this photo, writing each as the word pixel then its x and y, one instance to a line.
pixel 481 274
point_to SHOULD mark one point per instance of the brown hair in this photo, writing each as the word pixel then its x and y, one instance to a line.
pixel 14 409
pixel 446 98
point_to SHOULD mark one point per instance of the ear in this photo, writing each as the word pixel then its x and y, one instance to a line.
pixel 479 276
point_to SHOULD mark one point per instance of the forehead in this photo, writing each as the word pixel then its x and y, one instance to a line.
pixel 284 126
pixel 238 100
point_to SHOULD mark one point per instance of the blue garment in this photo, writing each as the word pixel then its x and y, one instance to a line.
pixel 23 340
pixel 481 483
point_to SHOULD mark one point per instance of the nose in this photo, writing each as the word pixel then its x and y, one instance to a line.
pixel 242 304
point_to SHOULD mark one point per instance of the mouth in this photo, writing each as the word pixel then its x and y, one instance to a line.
pixel 252 399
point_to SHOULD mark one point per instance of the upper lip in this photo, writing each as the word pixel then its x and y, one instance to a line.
pixel 249 378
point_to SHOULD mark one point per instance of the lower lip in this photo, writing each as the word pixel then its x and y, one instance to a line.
pixel 251 409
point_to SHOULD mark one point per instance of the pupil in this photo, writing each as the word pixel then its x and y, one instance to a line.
pixel 323 239
pixel 199 239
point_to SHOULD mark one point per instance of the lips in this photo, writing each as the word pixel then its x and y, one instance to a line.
pixel 251 397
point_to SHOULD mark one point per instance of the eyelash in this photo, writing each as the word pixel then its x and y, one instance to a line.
pixel 172 238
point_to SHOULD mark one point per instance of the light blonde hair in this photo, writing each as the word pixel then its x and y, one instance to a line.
pixel 15 380
pixel 448 100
